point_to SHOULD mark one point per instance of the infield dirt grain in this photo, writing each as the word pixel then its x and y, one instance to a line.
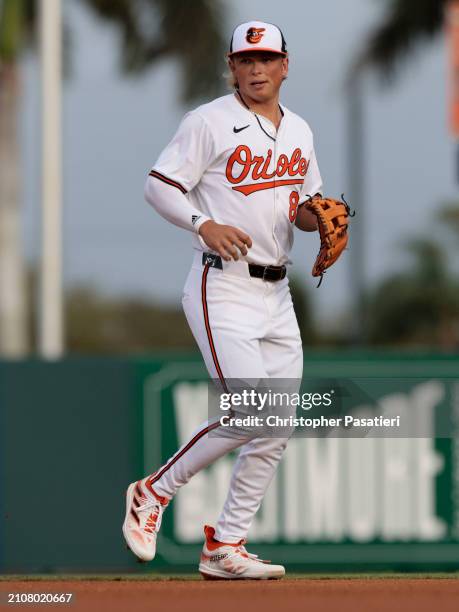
pixel 315 595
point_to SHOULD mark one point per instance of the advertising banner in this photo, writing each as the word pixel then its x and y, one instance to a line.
pixel 351 498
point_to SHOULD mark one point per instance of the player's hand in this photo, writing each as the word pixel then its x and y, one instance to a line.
pixel 226 240
pixel 305 219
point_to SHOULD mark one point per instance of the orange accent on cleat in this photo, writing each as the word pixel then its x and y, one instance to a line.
pixel 142 520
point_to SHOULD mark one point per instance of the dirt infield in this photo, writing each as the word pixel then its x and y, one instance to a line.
pixel 317 595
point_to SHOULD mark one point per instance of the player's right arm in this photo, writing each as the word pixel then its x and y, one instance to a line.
pixel 174 207
pixel 171 203
pixel 177 171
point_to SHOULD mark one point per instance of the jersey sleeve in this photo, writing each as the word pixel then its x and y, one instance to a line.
pixel 312 181
pixel 185 159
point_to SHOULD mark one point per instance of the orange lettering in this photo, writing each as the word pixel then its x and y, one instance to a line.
pixel 264 173
pixel 282 164
pixel 257 162
pixel 236 158
pixel 304 165
pixel 259 165
pixel 296 156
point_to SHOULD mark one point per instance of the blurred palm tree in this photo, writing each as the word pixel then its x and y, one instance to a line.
pixel 449 215
pixel 150 30
pixel 405 25
pixel 106 326
pixel 419 306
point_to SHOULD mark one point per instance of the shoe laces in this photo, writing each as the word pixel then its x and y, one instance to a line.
pixel 240 551
pixel 153 522
pixel 245 551
pixel 251 556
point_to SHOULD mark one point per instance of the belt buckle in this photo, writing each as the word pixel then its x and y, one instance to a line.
pixel 266 270
pixel 280 271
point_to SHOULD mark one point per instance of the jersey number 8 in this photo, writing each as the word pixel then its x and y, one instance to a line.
pixel 294 199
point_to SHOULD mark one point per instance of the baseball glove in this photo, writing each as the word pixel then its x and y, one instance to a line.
pixel 332 219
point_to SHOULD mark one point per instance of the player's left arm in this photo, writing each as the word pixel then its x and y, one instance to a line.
pixel 306 220
pixel 312 187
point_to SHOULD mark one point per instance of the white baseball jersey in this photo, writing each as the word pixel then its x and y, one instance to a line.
pixel 237 170
pixel 227 164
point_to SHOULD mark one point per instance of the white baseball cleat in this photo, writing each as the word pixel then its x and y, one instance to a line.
pixel 144 509
pixel 232 561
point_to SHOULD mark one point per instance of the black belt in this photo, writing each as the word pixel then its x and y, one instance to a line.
pixel 267 273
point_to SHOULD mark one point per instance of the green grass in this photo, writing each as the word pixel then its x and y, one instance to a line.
pixel 175 577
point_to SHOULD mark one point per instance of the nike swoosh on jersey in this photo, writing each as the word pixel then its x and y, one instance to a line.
pixel 237 130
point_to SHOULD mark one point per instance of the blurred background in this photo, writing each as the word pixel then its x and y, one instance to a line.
pixel 369 77
pixel 378 83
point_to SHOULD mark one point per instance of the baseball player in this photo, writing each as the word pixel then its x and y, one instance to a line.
pixel 236 175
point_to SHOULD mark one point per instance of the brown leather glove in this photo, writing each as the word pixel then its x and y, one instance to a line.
pixel 332 220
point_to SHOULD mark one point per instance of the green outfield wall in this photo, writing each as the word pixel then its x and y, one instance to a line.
pixel 74 433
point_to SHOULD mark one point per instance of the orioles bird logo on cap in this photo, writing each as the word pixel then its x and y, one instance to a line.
pixel 254 35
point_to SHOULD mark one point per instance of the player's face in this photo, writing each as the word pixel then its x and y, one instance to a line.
pixel 259 74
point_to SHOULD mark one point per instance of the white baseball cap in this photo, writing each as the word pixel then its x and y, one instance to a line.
pixel 257 36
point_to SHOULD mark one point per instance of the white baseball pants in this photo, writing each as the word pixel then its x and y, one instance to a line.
pixel 246 328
